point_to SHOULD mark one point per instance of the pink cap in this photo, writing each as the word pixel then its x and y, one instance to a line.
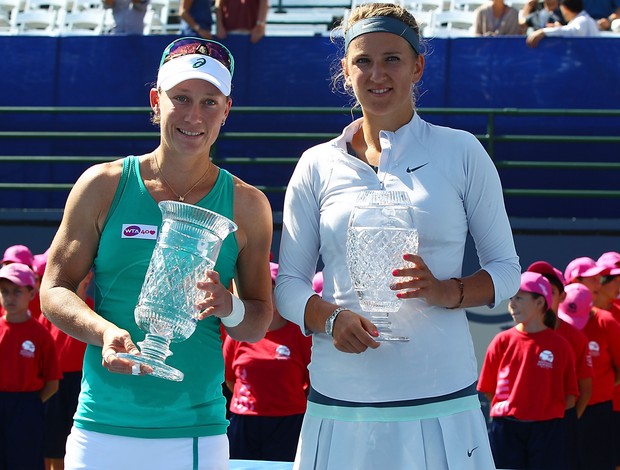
pixel 575 310
pixel 18 273
pixel 610 261
pixel 542 267
pixel 17 254
pixel 582 267
pixel 610 258
pixel 274 270
pixel 39 262
pixel 537 284
pixel 317 283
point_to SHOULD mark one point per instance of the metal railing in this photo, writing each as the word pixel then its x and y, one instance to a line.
pixel 489 137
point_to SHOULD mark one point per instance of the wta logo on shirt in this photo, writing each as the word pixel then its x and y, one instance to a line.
pixel 545 359
pixel 28 349
pixel 145 232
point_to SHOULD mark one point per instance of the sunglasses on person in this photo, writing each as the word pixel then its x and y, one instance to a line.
pixel 206 47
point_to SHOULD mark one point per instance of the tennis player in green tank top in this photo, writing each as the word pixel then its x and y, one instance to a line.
pixel 125 418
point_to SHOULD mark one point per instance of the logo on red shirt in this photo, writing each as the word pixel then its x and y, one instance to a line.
pixel 28 349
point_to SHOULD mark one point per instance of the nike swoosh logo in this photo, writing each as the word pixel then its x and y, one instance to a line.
pixel 469 452
pixel 411 170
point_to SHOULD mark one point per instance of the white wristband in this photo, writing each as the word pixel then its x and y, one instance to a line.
pixel 237 314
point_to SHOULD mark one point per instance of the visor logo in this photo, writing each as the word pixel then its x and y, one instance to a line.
pixel 199 63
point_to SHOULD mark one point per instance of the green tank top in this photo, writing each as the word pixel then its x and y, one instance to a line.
pixel 145 406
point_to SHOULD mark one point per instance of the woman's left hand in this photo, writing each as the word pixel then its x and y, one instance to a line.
pixel 417 281
pixel 217 301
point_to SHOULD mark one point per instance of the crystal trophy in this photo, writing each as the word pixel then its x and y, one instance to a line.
pixel 187 246
pixel 381 230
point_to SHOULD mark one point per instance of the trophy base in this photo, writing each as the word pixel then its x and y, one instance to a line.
pixel 389 337
pixel 160 369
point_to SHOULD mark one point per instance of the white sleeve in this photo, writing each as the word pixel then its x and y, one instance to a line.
pixel 299 245
pixel 489 225
pixel 577 27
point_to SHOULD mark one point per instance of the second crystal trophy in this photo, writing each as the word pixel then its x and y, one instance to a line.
pixel 381 230
pixel 188 245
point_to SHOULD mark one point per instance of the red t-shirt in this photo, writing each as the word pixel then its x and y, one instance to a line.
pixel 70 350
pixel 615 312
pixel 530 375
pixel 603 334
pixel 271 376
pixel 240 15
pixel 28 356
pixel 579 344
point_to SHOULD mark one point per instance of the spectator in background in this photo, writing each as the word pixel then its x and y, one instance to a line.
pixel 128 15
pixel 269 380
pixel 196 18
pixel 59 410
pixel 603 11
pixel 529 376
pixel 583 361
pixel 496 19
pixel 536 14
pixel 579 24
pixel 29 372
pixel 241 17
pixel 603 332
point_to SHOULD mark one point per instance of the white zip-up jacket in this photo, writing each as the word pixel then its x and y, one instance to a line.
pixel 455 189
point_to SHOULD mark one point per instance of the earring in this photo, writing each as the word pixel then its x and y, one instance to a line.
pixel 223 122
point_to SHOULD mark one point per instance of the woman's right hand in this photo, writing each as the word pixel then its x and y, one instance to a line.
pixel 354 333
pixel 115 341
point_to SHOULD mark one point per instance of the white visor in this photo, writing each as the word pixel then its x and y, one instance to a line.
pixel 191 66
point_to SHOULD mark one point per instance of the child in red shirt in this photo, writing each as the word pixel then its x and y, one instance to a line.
pixel 570 330
pixel 608 299
pixel 269 380
pixel 529 377
pixel 29 371
pixel 603 332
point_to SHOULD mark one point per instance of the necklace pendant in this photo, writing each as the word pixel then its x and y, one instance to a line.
pixel 181 199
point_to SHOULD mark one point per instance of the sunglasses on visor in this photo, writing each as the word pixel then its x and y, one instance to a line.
pixel 213 49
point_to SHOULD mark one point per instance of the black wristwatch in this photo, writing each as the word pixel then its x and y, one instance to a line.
pixel 329 323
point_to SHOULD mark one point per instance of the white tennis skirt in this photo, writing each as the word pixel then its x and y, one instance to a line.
pixel 97 451
pixel 456 441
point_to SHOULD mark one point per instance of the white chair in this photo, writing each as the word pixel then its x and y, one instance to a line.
pixel 276 29
pixel 36 22
pixel 451 23
pixel 8 15
pixel 423 18
pixel 59 7
pixel 82 5
pixel 356 3
pixel 157 18
pixel 466 5
pixel 84 23
pixel 303 16
pixel 424 5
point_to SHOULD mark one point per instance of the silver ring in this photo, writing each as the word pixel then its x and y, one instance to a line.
pixel 107 357
pixel 135 369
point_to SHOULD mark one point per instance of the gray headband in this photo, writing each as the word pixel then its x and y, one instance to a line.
pixel 382 24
